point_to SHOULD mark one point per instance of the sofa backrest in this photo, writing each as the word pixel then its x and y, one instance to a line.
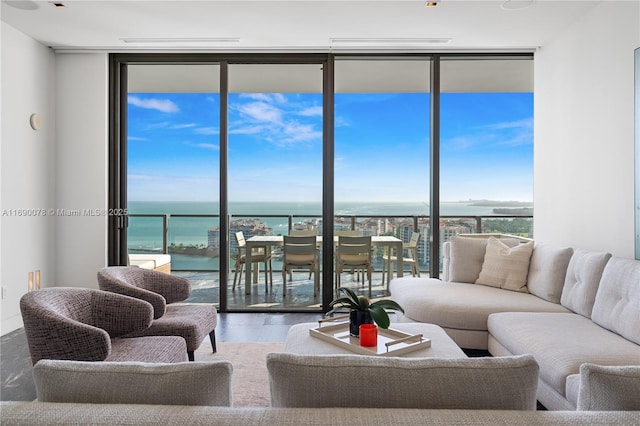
pixel 609 388
pixel 186 383
pixel 581 282
pixel 617 302
pixel 547 271
pixel 507 383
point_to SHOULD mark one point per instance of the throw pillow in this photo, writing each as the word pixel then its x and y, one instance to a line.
pixel 467 255
pixel 506 267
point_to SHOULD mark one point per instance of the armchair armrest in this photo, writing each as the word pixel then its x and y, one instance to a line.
pixel 172 288
pixel 118 314
pixel 116 282
pixel 54 336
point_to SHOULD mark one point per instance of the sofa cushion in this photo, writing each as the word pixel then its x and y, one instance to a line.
pixel 394 382
pixel 188 383
pixel 560 342
pixel 617 304
pixel 607 388
pixel 506 267
pixel 459 305
pixel 547 271
pixel 581 283
pixel 467 255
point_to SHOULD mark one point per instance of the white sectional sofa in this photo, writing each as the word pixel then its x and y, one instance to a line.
pixel 573 307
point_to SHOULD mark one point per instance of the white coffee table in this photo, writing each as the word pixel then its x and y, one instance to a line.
pixel 300 342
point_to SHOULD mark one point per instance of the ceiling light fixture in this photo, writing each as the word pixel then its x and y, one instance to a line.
pixel 56 4
pixel 431 4
pixel 183 40
pixel 396 40
pixel 516 4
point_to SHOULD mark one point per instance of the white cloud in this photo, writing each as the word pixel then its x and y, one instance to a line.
pixel 314 111
pixel 207 131
pixel 261 111
pixel 204 145
pixel 183 126
pixel 136 138
pixel 162 105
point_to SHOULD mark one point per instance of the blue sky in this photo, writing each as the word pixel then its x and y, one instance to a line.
pixel 381 147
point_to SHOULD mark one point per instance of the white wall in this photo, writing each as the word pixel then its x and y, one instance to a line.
pixel 27 171
pixel 82 166
pixel 584 141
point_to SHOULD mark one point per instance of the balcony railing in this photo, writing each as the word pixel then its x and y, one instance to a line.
pixel 160 241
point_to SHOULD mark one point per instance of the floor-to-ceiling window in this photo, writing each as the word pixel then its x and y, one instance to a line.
pixel 486 145
pixel 216 144
pixel 275 122
pixel 381 122
pixel 172 163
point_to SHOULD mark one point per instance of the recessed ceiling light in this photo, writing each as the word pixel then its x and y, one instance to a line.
pixel 56 4
pixel 431 4
pixel 516 4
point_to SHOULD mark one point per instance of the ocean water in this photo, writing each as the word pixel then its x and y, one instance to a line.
pixel 145 233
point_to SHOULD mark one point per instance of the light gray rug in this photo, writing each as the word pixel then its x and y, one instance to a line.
pixel 250 383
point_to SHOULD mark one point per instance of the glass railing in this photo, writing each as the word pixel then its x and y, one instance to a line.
pixel 192 240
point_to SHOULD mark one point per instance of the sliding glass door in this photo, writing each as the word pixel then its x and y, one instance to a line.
pixel 486 145
pixel 275 121
pixel 211 153
pixel 172 164
pixel 381 183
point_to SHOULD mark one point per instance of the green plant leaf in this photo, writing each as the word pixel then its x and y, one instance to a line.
pixel 344 301
pixel 351 295
pixel 379 316
pixel 388 304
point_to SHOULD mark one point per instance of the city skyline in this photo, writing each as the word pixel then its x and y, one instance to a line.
pixel 381 147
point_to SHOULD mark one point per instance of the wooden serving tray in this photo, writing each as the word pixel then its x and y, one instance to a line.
pixel 390 342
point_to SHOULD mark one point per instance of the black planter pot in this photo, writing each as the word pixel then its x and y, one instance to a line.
pixel 356 318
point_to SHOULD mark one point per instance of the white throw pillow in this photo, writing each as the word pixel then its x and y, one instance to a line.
pixel 506 267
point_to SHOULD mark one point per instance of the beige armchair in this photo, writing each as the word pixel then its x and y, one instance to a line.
pixel 191 322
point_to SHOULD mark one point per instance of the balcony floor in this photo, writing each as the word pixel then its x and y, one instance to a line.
pixel 299 294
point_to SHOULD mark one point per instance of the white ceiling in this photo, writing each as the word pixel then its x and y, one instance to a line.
pixel 303 25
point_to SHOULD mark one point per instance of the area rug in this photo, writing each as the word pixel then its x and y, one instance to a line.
pixel 250 382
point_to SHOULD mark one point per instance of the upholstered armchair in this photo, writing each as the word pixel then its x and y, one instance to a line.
pixel 81 324
pixel 191 322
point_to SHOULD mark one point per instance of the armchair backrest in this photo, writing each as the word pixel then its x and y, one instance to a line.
pixel 157 288
pixel 78 323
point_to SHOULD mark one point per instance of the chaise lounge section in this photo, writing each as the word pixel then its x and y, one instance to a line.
pixel 573 307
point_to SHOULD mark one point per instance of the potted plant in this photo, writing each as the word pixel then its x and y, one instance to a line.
pixel 362 311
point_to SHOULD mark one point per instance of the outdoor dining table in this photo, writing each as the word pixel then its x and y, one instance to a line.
pixel 394 244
